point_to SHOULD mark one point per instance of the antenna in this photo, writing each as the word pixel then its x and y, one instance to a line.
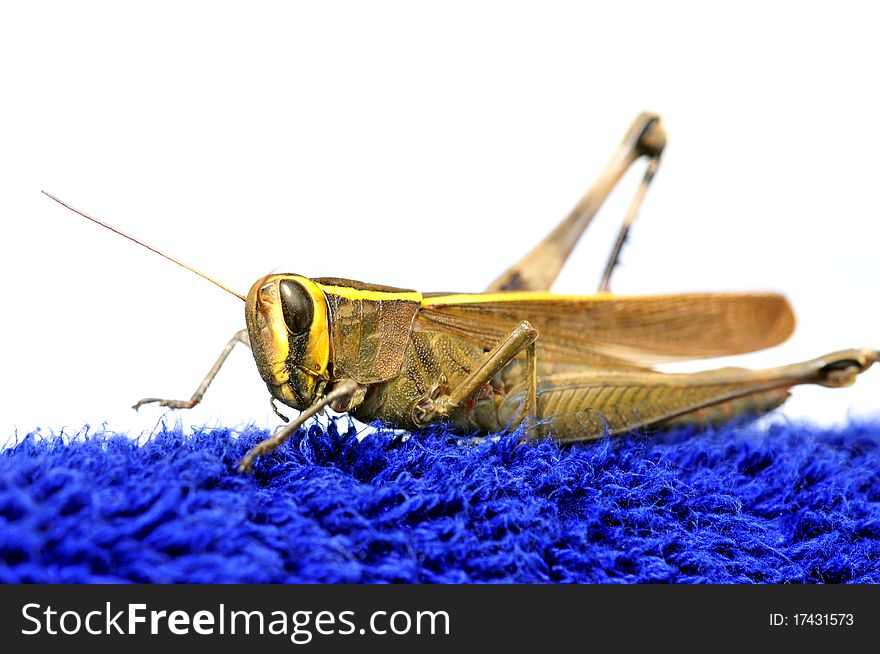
pixel 142 244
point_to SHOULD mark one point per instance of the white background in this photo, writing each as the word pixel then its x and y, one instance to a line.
pixel 425 146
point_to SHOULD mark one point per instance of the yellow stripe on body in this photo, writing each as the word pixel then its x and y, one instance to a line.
pixel 356 294
pixel 530 296
pixel 515 296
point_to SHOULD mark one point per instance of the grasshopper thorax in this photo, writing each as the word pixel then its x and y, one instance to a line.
pixel 288 327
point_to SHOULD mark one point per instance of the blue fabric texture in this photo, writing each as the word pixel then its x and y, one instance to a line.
pixel 784 503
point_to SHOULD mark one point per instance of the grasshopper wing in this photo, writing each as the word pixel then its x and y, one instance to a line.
pixel 612 330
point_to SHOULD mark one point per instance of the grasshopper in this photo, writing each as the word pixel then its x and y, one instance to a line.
pixel 571 367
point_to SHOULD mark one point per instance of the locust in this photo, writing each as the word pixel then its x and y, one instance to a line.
pixel 569 367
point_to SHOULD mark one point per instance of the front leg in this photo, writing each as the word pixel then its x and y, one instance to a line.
pixel 240 337
pixel 523 337
pixel 345 394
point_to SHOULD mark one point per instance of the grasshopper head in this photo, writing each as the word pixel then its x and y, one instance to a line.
pixel 287 324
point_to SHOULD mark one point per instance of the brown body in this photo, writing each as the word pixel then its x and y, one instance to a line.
pixel 405 351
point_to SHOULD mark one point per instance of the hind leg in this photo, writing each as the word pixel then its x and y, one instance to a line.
pixel 538 269
pixel 590 404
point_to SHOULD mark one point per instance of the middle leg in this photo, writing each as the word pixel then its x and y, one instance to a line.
pixel 522 338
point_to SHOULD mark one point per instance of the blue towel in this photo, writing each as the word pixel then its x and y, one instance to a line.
pixel 784 503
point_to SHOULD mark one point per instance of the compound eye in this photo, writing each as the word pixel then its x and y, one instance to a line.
pixel 296 306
